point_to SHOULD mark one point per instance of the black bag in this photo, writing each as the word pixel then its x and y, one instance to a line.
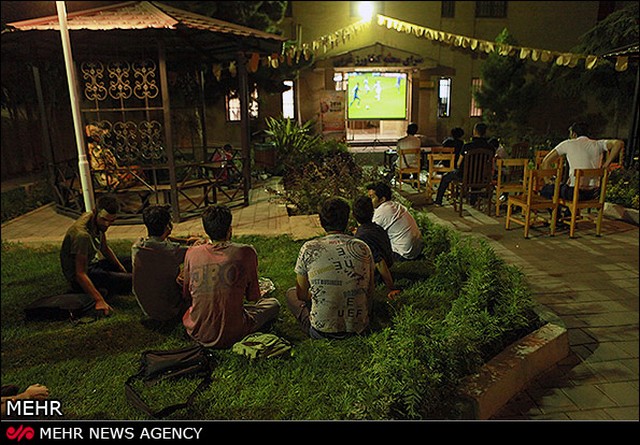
pixel 192 361
pixel 61 307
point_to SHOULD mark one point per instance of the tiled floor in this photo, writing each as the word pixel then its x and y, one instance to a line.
pixel 590 282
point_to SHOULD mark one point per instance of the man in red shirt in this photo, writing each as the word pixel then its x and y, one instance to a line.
pixel 218 277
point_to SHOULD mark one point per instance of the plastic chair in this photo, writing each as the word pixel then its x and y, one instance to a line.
pixel 477 179
pixel 531 202
pixel 510 177
pixel 411 169
pixel 595 177
pixel 439 164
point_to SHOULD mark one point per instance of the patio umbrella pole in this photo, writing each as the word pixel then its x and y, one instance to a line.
pixel 83 164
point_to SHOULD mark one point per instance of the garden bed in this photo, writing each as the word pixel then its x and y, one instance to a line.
pixel 460 307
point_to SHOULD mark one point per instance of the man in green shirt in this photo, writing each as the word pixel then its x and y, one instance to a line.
pixel 81 265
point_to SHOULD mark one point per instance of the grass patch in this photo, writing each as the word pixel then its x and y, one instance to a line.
pixel 460 306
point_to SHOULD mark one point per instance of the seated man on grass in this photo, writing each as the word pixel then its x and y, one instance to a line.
pixel 218 277
pixel 157 260
pixel 334 279
pixel 403 231
pixel 376 238
pixel 81 265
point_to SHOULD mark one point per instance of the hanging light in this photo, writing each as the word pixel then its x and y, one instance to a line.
pixel 365 10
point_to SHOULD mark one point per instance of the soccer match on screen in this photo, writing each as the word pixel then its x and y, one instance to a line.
pixel 377 95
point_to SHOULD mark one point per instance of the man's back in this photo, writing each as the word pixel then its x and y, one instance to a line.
pixel 339 268
pixel 582 152
pixel 476 142
pixel 156 265
pixel 408 160
pixel 403 231
pixel 378 241
pixel 456 144
pixel 219 277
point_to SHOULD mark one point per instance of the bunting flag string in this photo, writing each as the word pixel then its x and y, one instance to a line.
pixel 568 59
pixel 322 44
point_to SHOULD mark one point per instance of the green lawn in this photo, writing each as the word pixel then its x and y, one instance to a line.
pixel 460 306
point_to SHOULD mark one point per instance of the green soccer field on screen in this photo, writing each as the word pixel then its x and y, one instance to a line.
pixel 377 95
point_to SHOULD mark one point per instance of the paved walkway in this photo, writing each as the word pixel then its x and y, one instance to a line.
pixel 590 282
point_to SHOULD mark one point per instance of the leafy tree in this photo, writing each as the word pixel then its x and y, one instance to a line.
pixel 507 94
pixel 265 16
pixel 613 90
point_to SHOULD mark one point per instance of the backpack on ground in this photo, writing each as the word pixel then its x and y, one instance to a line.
pixel 61 307
pixel 156 365
pixel 259 345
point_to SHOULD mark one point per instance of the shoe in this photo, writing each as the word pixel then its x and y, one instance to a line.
pixel 437 204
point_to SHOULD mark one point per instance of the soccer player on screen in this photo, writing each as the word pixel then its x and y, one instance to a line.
pixel 355 94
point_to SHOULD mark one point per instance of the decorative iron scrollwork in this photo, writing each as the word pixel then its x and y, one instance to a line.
pixel 93 73
pixel 119 85
pixel 120 88
pixel 151 140
pixel 146 87
pixel 126 141
pixel 130 142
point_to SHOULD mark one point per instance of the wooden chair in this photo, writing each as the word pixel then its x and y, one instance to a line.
pixel 439 164
pixel 441 149
pixel 520 150
pixel 585 176
pixel 476 181
pixel 540 154
pixel 412 171
pixel 531 202
pixel 426 151
pixel 510 177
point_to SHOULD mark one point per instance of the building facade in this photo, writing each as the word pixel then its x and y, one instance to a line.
pixel 441 69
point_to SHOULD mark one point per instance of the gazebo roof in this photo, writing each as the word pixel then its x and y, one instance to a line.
pixel 142 23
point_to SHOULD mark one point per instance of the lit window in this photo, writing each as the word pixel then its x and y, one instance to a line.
pixel 233 105
pixel 444 97
pixel 287 101
pixel 476 84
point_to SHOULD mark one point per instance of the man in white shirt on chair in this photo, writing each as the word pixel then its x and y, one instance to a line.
pixel 584 153
pixel 410 141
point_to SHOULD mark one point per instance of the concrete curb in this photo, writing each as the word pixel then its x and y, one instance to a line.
pixel 483 394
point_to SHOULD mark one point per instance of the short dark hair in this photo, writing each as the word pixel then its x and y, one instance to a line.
pixel 480 128
pixel 108 203
pixel 457 132
pixel 381 189
pixel 216 221
pixel 334 214
pixel 156 218
pixel 363 209
pixel 580 128
pixel 412 128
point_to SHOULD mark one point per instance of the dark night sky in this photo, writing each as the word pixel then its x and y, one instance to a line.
pixel 14 11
